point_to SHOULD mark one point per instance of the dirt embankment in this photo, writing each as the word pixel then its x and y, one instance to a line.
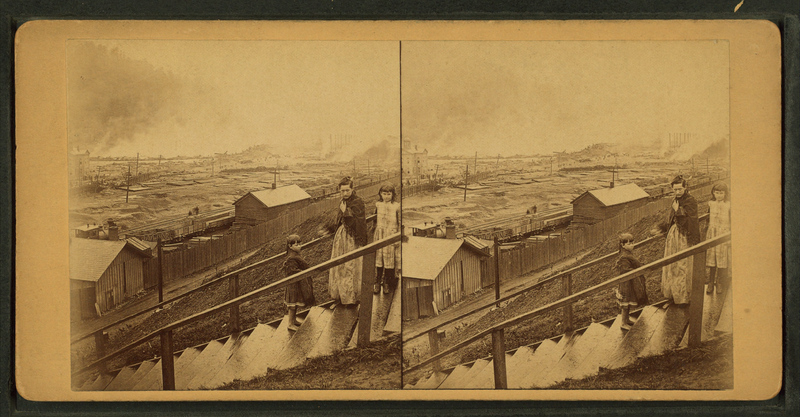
pixel 263 309
pixel 594 308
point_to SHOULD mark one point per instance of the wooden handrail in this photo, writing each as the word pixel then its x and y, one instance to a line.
pixel 537 284
pixel 324 266
pixel 262 262
pixel 701 247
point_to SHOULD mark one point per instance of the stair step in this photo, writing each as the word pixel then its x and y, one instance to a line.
pixel 244 355
pixel 101 382
pixel 485 379
pixel 154 381
pixel 713 305
pixel 122 377
pixel 636 338
pixel 394 321
pixel 455 377
pixel 198 365
pixel 568 340
pixel 184 363
pixel 143 369
pixel 432 382
pixel 547 353
pixel 519 360
pixel 265 358
pixel 575 355
pixel 474 370
pixel 216 362
pixel 381 304
pixel 295 351
pixel 336 336
pixel 725 322
pixel 669 333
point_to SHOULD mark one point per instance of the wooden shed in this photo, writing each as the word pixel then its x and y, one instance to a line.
pixel 260 206
pixel 441 271
pixel 598 205
pixel 103 272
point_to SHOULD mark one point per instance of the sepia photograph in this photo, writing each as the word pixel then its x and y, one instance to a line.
pixel 566 202
pixel 280 211
pixel 215 189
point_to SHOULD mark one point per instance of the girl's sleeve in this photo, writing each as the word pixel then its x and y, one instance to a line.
pixel 690 212
pixel 354 217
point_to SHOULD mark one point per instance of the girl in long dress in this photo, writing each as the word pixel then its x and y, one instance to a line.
pixel 718 258
pixel 301 293
pixel 633 292
pixel 683 231
pixel 344 281
pixel 387 259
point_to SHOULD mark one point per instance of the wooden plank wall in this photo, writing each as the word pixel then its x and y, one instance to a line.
pixel 533 256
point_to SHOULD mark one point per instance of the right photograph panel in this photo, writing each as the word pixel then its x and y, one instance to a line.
pixel 567 207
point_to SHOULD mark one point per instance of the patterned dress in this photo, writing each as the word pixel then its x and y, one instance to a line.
pixel 344 281
pixel 388 223
pixel 719 223
pixel 683 231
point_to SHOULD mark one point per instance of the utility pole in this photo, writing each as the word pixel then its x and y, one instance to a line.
pixel 476 162
pixel 368 174
pixel 466 181
pixel 707 166
pixel 159 161
pixel 354 168
pixel 128 190
pixel 137 164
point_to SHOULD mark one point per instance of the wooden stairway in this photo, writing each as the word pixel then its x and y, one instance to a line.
pixel 582 353
pixel 252 352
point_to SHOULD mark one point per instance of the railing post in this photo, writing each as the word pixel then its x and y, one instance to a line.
pixel 433 341
pixel 160 271
pixel 496 270
pixel 499 359
pixel 167 362
pixel 365 310
pixel 100 348
pixel 566 284
pixel 233 285
pixel 696 299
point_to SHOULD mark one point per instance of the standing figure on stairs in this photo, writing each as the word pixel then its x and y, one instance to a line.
pixel 718 258
pixel 633 292
pixel 344 281
pixel 683 231
pixel 387 259
pixel 300 293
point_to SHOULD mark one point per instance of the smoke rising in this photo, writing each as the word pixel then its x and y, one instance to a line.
pixel 113 99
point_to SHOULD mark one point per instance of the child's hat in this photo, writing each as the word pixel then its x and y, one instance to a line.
pixel 293 238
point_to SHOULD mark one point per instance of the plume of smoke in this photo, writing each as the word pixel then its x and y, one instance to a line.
pixel 112 99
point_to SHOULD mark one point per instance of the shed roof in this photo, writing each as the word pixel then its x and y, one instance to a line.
pixel 424 258
pixel 89 258
pixel 279 196
pixel 617 195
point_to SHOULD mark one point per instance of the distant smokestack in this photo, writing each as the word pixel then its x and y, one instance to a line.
pixel 449 228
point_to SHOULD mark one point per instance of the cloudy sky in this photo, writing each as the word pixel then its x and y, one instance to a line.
pixel 199 97
pixel 540 97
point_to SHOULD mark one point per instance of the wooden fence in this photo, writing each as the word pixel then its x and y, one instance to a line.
pixel 533 256
pixel 179 263
pixel 409 190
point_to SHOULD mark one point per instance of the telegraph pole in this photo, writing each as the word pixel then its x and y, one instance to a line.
pixel 128 189
pixel 137 164
pixel 466 181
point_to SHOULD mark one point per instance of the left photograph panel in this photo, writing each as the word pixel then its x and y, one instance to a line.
pixel 233 217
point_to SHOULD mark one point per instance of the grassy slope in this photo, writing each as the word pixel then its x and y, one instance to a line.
pixel 707 367
pixel 376 366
